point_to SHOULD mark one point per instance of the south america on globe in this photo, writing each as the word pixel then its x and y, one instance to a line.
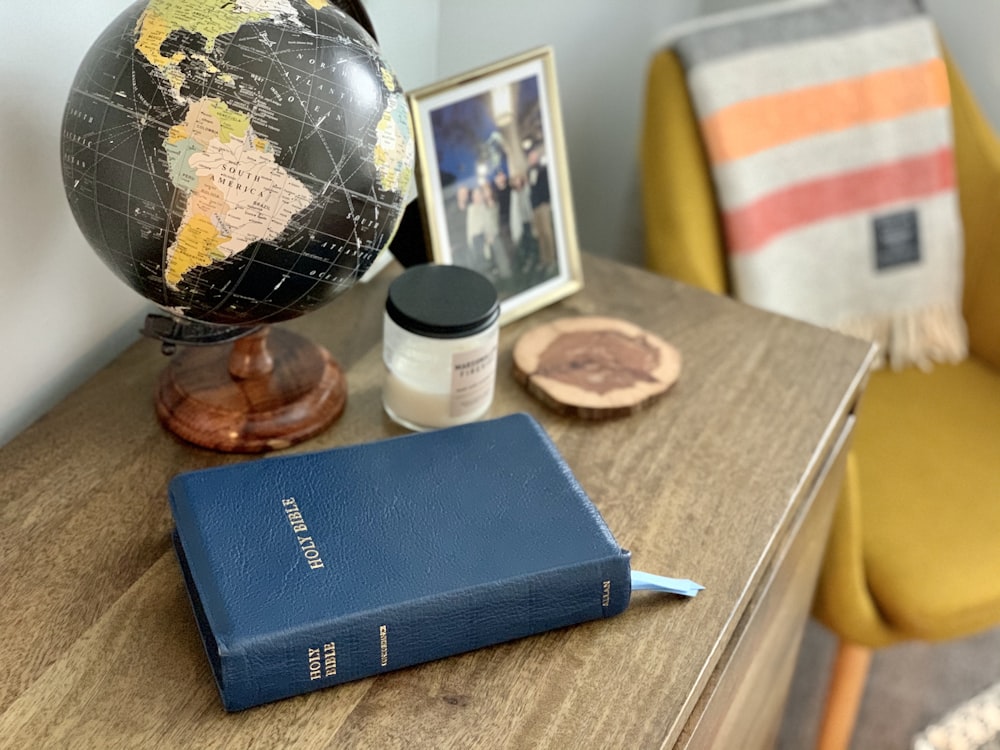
pixel 236 162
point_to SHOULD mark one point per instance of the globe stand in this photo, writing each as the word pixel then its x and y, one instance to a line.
pixel 266 390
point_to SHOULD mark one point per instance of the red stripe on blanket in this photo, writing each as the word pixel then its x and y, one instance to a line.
pixel 750 227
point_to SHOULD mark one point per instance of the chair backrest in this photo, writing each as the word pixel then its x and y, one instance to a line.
pixel 977 159
pixel 684 238
pixel 683 232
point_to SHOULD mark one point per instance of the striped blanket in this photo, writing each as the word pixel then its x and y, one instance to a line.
pixel 828 129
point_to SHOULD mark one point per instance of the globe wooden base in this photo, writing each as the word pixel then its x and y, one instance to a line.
pixel 267 390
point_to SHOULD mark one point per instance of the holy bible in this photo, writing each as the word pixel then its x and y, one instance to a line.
pixel 310 570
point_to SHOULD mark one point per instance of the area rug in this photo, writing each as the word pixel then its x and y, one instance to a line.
pixel 974 725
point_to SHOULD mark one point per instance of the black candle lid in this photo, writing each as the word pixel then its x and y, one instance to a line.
pixel 442 301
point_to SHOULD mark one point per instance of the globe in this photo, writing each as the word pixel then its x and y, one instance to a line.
pixel 236 162
pixel 239 163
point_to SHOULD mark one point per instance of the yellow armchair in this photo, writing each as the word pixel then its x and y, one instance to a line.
pixel 914 551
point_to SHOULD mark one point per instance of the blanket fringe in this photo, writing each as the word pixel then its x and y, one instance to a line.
pixel 916 337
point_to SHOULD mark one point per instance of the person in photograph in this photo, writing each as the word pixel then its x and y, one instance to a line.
pixel 522 232
pixel 457 226
pixel 496 262
pixel 476 220
pixel 541 207
pixel 502 244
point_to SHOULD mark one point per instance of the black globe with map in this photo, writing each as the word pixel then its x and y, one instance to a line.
pixel 237 162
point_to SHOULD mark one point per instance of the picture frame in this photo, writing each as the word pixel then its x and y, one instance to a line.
pixel 494 181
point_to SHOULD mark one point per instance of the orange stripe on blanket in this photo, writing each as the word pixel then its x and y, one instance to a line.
pixel 768 121
pixel 750 227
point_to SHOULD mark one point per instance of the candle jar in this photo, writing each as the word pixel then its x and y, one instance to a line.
pixel 440 337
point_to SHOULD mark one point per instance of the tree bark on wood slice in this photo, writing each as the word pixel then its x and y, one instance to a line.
pixel 595 367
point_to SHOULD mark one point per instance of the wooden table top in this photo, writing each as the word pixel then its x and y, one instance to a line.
pixel 100 647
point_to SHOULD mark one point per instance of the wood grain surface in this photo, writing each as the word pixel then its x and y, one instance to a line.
pixel 712 482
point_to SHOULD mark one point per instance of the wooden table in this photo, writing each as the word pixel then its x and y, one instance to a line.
pixel 729 479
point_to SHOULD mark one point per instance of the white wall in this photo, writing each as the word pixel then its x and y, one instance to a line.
pixel 63 314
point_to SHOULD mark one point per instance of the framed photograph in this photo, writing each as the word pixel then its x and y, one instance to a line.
pixel 494 185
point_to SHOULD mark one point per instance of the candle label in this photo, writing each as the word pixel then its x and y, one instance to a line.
pixel 473 374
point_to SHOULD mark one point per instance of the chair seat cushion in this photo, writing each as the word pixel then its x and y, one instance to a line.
pixel 928 453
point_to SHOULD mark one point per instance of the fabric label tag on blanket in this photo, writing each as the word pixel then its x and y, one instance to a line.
pixel 897 240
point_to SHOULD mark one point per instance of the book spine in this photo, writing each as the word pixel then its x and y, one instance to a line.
pixel 402 635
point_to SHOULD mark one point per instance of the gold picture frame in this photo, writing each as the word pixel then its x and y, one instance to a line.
pixel 494 181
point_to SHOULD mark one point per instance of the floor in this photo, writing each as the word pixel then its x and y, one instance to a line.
pixel 910 686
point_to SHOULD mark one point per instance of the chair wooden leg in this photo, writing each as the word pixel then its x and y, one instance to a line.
pixel 847 686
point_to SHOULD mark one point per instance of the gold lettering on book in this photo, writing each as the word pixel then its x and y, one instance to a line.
pixel 606 596
pixel 383 640
pixel 298 524
pixel 323 662
pixel 310 552
pixel 315 664
pixel 294 515
pixel 329 659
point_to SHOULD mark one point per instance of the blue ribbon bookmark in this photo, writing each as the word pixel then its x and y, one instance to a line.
pixel 648 582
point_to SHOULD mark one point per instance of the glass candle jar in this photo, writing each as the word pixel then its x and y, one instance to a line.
pixel 440 337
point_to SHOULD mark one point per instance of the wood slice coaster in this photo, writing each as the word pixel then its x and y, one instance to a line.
pixel 595 367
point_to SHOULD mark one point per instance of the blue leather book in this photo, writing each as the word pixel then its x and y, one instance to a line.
pixel 314 569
